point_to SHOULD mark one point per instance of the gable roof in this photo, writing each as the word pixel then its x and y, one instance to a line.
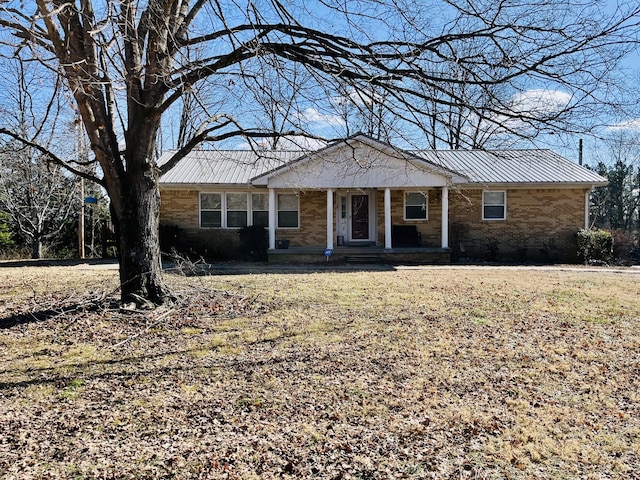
pixel 359 162
pixel 498 167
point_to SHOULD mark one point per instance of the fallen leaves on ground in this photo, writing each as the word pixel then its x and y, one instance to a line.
pixel 429 373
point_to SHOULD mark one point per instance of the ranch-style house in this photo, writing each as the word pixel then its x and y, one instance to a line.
pixel 360 199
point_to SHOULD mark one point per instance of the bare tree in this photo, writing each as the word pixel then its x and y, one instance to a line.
pixel 128 64
pixel 38 196
pixel 463 115
pixel 365 112
pixel 276 90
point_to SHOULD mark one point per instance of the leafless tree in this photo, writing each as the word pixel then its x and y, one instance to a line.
pixel 128 64
pixel 38 196
pixel 366 112
pixel 275 90
pixel 463 115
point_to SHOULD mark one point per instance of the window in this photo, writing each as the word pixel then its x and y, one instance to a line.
pixel 494 205
pixel 233 209
pixel 415 206
pixel 210 210
pixel 236 210
pixel 287 210
pixel 260 209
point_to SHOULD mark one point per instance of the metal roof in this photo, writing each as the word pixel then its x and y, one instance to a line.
pixel 511 166
pixel 239 167
pixel 224 167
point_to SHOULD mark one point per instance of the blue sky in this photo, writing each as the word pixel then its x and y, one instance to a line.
pixel 320 115
pixel 323 120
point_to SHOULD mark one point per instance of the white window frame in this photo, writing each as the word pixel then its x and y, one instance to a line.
pixel 224 210
pixel 252 210
pixel 246 211
pixel 200 209
pixel 504 206
pixel 426 206
pixel 278 211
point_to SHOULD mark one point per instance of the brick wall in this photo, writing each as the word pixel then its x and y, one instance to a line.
pixel 540 224
pixel 312 230
pixel 179 208
pixel 430 228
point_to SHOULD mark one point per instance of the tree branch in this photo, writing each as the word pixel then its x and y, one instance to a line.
pixel 52 157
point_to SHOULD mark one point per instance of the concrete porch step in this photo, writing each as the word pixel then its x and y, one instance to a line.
pixel 363 259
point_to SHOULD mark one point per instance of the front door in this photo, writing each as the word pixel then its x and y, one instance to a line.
pixel 359 217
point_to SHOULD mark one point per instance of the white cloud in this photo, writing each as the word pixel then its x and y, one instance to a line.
pixel 289 142
pixel 627 125
pixel 312 115
pixel 540 102
pixel 358 97
pixel 535 103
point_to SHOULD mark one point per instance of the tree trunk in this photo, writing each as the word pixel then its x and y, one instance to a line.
pixel 138 244
pixel 36 248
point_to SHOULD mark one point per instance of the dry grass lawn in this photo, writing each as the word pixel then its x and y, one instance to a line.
pixel 425 373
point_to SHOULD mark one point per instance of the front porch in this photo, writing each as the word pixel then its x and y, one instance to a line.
pixel 355 192
pixel 364 217
pixel 361 254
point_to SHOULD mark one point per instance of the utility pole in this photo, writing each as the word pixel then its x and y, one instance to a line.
pixel 81 221
pixel 580 152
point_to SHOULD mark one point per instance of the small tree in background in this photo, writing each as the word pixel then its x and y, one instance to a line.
pixel 38 197
pixel 617 206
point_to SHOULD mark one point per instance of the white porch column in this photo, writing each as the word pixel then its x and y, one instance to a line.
pixel 445 217
pixel 387 219
pixel 272 219
pixel 330 219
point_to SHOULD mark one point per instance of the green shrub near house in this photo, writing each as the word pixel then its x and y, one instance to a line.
pixel 595 246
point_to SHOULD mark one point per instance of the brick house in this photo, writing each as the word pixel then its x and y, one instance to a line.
pixel 360 198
